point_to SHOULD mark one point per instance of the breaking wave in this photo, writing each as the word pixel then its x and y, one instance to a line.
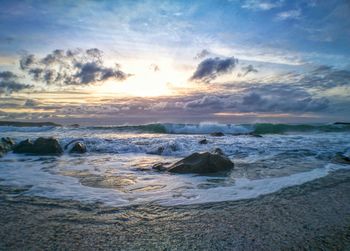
pixel 201 128
pixel 206 128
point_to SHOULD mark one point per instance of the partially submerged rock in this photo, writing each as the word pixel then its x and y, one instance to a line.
pixel 158 151
pixel 217 134
pixel 162 166
pixel 201 163
pixel 218 151
pixel 167 148
pixel 6 144
pixel 41 146
pixel 342 158
pixel 255 135
pixel 78 147
pixel 203 141
pixel 24 146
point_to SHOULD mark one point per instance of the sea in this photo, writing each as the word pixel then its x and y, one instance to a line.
pixel 117 169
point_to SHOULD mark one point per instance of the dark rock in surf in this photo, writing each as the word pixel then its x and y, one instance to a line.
pixel 162 166
pixel 6 145
pixel 71 142
pixel 78 147
pixel 255 135
pixel 341 123
pixel 342 158
pixel 157 151
pixel 41 146
pixel 218 151
pixel 201 163
pixel 25 146
pixel 169 147
pixel 74 125
pixel 203 141
pixel 217 134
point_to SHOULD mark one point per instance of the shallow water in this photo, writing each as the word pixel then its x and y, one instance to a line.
pixel 116 170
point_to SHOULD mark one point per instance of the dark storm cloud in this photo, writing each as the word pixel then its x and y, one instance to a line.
pixel 211 68
pixel 7 75
pixel 9 83
pixel 93 72
pixel 26 61
pixel 71 67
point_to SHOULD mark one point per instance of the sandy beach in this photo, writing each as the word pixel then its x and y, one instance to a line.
pixel 313 216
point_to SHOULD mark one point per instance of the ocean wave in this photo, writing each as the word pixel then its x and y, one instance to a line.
pixel 267 128
pixel 201 128
pixel 5 129
pixel 234 129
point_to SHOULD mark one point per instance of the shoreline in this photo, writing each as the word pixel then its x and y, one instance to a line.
pixel 315 215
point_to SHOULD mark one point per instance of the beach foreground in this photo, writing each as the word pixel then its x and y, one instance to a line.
pixel 312 216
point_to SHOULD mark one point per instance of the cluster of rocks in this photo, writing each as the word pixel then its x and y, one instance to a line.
pixel 41 146
pixel 6 145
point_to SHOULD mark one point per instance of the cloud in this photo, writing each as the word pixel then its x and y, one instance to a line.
pixel 325 77
pixel 202 54
pixel 154 67
pixel 289 15
pixel 271 98
pixel 277 103
pixel 9 83
pixel 248 69
pixel 213 102
pixel 31 103
pixel 8 75
pixel 260 5
pixel 211 68
pixel 71 67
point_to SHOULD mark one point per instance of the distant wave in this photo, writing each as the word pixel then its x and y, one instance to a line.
pixel 206 128
pixel 4 129
pixel 201 128
pixel 267 128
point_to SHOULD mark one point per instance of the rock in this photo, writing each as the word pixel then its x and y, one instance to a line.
pixel 217 134
pixel 162 166
pixel 341 123
pixel 255 135
pixel 201 163
pixel 25 146
pixel 166 149
pixel 78 147
pixel 74 125
pixel 71 142
pixel 342 158
pixel 6 144
pixel 41 146
pixel 218 151
pixel 203 141
pixel 157 151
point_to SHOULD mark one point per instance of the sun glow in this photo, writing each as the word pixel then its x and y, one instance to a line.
pixel 148 79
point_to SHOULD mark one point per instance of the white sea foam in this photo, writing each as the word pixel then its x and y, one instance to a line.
pixel 206 128
pixel 44 179
pixel 269 163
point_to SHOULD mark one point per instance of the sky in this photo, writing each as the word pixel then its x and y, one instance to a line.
pixel 132 62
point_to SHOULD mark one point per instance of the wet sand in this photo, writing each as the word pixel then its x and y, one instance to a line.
pixel 313 216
